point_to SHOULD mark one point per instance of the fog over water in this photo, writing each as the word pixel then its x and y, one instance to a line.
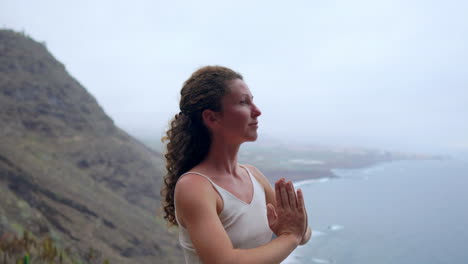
pixel 384 74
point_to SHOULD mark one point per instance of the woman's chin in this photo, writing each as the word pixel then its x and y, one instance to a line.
pixel 252 137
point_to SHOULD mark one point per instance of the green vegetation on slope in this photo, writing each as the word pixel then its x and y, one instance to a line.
pixel 28 249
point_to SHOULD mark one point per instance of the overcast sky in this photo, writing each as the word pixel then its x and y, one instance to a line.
pixel 386 74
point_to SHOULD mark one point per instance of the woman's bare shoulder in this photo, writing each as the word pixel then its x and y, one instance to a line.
pixel 193 194
pixel 192 184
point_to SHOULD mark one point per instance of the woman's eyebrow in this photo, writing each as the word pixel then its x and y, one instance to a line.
pixel 251 97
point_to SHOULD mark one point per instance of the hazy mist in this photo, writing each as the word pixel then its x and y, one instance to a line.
pixel 383 74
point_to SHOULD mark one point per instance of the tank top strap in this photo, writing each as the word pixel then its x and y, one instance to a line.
pixel 222 192
pixel 217 187
pixel 253 179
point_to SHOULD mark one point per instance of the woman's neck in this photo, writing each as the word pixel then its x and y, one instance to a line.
pixel 222 157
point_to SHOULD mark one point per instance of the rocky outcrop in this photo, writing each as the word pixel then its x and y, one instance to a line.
pixel 67 171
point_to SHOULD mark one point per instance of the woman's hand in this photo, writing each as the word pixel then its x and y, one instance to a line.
pixel 289 216
pixel 308 232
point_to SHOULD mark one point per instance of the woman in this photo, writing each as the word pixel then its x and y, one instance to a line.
pixel 226 212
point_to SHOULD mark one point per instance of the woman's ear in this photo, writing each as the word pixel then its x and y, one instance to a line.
pixel 210 118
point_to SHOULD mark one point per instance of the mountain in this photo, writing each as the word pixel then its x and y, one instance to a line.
pixel 66 171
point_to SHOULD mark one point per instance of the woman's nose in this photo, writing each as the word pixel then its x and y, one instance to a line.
pixel 256 111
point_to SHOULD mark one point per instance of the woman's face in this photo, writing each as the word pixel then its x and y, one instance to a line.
pixel 238 120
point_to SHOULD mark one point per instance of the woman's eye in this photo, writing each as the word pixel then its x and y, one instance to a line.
pixel 243 102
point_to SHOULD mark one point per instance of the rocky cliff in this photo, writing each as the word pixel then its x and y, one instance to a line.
pixel 67 171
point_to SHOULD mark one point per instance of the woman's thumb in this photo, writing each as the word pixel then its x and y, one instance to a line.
pixel 271 214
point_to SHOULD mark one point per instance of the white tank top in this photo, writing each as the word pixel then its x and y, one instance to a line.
pixel 246 224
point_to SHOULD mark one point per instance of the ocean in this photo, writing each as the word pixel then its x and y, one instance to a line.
pixel 399 212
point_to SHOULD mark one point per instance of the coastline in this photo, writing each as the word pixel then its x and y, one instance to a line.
pixel 326 172
pixel 298 175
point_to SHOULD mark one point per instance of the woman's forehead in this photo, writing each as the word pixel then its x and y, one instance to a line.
pixel 238 88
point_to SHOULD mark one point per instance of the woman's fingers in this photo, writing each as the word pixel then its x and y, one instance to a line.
pixel 278 194
pixel 288 216
pixel 284 195
pixel 300 200
pixel 271 214
pixel 291 195
pixel 301 208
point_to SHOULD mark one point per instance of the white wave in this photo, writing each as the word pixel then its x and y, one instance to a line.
pixel 311 181
pixel 321 261
pixel 346 173
pixel 335 227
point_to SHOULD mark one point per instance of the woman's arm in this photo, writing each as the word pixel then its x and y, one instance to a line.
pixel 271 199
pixel 196 208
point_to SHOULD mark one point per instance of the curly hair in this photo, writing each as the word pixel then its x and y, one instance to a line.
pixel 188 139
